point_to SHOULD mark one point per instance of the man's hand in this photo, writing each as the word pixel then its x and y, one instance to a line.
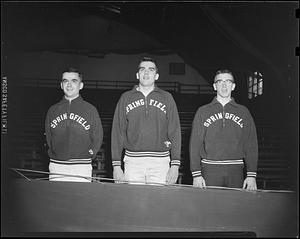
pixel 118 174
pixel 199 182
pixel 250 183
pixel 172 174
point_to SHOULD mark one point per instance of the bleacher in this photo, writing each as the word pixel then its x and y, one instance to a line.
pixel 30 150
pixel 274 165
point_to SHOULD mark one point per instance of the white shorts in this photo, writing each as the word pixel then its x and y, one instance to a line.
pixel 81 172
pixel 146 170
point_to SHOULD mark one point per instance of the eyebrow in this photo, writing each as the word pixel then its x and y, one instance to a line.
pixel 74 79
pixel 143 67
pixel 224 79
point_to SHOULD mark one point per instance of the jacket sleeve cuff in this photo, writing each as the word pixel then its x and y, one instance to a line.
pixel 175 162
pixel 197 174
pixel 116 163
pixel 251 174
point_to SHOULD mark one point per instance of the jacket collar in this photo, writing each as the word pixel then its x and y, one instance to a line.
pixel 64 100
pixel 231 102
pixel 156 88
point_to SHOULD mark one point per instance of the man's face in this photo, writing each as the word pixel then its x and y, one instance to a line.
pixel 147 73
pixel 71 84
pixel 224 85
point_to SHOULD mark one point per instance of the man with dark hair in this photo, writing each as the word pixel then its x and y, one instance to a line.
pixel 146 125
pixel 74 132
pixel 223 140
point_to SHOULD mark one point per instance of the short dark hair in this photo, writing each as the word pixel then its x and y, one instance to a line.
pixel 223 71
pixel 73 70
pixel 145 58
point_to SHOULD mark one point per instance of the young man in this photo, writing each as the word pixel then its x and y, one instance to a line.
pixel 223 140
pixel 146 125
pixel 73 131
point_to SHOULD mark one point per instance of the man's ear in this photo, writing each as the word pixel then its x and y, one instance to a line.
pixel 156 76
pixel 137 75
pixel 61 86
pixel 233 87
pixel 81 85
pixel 214 85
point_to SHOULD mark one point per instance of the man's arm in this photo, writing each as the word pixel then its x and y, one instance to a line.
pixel 196 149
pixel 174 134
pixel 117 139
pixel 97 133
pixel 47 129
pixel 251 154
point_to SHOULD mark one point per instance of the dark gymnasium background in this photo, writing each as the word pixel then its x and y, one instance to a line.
pixel 190 40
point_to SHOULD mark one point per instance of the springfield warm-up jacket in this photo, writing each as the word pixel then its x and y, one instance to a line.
pixel 223 135
pixel 146 126
pixel 72 129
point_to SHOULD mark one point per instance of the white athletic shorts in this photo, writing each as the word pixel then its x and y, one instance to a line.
pixel 81 172
pixel 146 170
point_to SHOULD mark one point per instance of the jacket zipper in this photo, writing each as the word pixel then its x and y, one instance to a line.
pixel 68 113
pixel 223 117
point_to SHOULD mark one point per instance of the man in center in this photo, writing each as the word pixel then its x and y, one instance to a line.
pixel 146 128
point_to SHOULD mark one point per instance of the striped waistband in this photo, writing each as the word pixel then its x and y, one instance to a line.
pixel 146 154
pixel 72 161
pixel 228 161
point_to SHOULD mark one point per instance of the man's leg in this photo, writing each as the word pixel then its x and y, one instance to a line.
pixel 84 170
pixel 157 169
pixel 134 169
pixel 213 174
pixel 56 169
pixel 235 176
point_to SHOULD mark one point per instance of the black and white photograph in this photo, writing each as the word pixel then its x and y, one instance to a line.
pixel 150 119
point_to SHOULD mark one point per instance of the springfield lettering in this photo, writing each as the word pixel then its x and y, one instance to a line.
pixel 227 116
pixel 71 116
pixel 134 104
pixel 153 103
